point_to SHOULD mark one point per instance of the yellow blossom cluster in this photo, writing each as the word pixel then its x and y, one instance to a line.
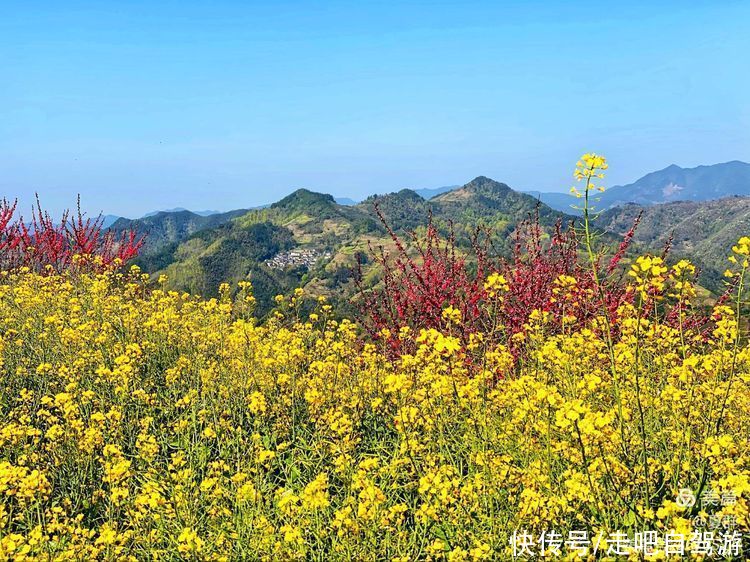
pixel 146 424
pixel 588 169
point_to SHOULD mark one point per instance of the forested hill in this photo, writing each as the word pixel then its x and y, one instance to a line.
pixel 308 239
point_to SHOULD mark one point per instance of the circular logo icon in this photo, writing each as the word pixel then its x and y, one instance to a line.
pixel 685 498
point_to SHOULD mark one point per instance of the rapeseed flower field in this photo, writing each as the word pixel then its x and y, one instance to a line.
pixel 139 423
pixel 150 424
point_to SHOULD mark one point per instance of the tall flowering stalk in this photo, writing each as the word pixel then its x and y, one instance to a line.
pixel 659 299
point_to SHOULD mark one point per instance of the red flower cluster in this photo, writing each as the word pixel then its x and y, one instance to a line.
pixel 553 278
pixel 421 280
pixel 418 286
pixel 46 245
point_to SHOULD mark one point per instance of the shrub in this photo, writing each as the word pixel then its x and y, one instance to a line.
pixel 77 242
pixel 415 290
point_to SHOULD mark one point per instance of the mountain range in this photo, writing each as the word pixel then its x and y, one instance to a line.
pixel 701 231
pixel 673 183
pixel 313 239
pixel 198 253
pixel 423 193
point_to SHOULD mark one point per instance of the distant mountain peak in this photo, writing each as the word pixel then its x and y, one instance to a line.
pixel 700 183
pixel 304 197
pixel 206 213
pixel 481 180
pixel 174 210
pixel 408 194
pixel 485 195
pixel 304 192
pixel 673 183
pixel 483 184
pixel 348 201
pixel 403 195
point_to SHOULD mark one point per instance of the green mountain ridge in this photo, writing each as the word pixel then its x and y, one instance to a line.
pixel 171 227
pixel 241 247
pixel 308 239
pixel 701 231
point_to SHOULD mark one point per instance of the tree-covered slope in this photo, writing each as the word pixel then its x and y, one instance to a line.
pixel 335 235
pixel 264 245
pixel 703 231
pixel 169 227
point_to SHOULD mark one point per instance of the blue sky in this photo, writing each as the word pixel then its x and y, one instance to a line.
pixel 219 105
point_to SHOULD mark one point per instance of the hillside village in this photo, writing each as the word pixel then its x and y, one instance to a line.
pixel 306 257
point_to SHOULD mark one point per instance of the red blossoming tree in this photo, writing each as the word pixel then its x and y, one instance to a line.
pixel 76 241
pixel 425 276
